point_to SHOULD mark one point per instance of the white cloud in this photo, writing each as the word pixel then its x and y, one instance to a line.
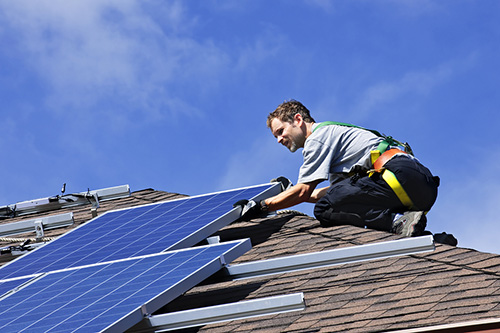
pixel 264 47
pixel 413 83
pixel 372 98
pixel 125 62
pixel 94 51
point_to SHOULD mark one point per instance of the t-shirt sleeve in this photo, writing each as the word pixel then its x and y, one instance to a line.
pixel 316 164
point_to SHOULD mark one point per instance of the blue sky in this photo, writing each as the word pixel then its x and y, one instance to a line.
pixel 173 95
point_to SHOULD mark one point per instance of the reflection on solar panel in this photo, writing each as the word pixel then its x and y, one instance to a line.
pixel 111 296
pixel 138 231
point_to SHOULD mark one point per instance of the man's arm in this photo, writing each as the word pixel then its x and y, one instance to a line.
pixel 317 194
pixel 302 192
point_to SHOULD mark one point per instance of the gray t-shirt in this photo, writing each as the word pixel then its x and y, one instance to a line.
pixel 332 151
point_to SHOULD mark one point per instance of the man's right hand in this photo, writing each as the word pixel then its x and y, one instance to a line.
pixel 285 182
pixel 250 209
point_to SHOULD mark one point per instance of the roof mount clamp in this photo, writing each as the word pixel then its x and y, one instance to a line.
pixel 213 240
pixel 39 230
pixel 222 260
pixel 95 204
pixel 144 311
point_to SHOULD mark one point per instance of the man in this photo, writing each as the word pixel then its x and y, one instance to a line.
pixel 371 185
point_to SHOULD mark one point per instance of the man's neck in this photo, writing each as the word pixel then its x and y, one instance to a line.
pixel 309 128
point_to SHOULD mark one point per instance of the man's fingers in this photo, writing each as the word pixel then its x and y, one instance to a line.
pixel 241 203
pixel 285 182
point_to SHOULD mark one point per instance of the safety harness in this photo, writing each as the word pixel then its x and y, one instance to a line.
pixel 380 156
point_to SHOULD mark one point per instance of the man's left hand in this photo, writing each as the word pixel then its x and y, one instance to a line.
pixel 284 182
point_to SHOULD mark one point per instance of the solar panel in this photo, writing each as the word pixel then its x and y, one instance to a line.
pixel 8 285
pixel 111 296
pixel 138 231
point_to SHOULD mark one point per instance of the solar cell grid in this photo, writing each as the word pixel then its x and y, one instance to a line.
pixel 137 231
pixel 109 295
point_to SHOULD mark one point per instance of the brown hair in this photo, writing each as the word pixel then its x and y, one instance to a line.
pixel 287 110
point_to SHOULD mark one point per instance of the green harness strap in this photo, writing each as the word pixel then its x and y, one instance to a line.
pixel 382 147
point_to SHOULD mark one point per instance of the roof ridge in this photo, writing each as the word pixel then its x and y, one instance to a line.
pixel 463 266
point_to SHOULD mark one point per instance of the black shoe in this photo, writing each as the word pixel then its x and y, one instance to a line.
pixel 445 238
pixel 411 224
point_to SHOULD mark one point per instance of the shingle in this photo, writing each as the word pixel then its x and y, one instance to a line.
pixel 471 303
pixel 474 277
pixel 474 261
pixel 356 320
pixel 401 310
pixel 462 310
pixel 472 293
pixel 409 293
pixel 413 301
pixel 488 263
pixel 300 326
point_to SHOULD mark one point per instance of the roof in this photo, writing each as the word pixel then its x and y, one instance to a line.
pixel 448 287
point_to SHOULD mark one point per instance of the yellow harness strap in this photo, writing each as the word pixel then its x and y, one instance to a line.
pixel 374 155
pixel 378 162
pixel 393 182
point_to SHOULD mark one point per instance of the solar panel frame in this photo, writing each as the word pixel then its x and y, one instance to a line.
pixel 10 285
pixel 111 296
pixel 92 242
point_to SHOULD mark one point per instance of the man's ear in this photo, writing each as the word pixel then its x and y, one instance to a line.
pixel 298 118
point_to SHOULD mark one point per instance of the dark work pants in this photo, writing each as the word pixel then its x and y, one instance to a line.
pixel 370 202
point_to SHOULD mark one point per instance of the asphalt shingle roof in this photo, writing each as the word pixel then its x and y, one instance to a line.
pixel 447 286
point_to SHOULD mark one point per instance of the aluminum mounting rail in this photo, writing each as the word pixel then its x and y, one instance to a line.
pixel 48 222
pixel 351 254
pixel 221 313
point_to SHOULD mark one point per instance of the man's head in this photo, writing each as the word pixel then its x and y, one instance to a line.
pixel 288 124
pixel 286 111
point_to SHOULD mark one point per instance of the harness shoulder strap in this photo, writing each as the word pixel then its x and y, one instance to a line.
pixel 382 147
pixel 347 125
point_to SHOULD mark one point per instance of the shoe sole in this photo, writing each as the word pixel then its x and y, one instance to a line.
pixel 416 225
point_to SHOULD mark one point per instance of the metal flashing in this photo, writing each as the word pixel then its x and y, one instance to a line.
pixel 221 313
pixel 331 257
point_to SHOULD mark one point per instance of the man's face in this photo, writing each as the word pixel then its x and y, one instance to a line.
pixel 288 134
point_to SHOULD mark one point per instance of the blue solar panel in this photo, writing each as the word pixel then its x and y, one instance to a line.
pixel 6 286
pixel 138 231
pixel 109 296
